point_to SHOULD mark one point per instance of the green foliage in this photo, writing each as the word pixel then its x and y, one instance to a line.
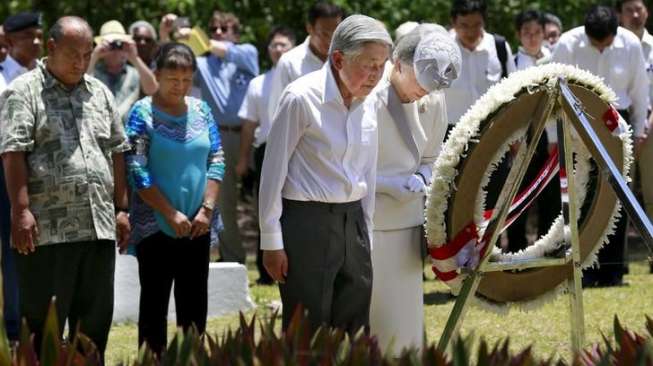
pixel 80 351
pixel 300 346
pixel 259 16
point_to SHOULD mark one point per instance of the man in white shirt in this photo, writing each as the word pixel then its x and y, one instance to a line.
pixel 529 25
pixel 317 187
pixel 23 35
pixel 615 54
pixel 256 122
pixel 633 15
pixel 481 64
pixel 552 30
pixel 323 18
pixel 486 59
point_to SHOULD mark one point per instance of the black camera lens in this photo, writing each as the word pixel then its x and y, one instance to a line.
pixel 115 45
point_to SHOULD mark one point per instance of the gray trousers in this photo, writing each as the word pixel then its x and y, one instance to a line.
pixel 329 264
pixel 231 246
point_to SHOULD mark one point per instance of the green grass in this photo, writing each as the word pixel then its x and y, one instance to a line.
pixel 547 328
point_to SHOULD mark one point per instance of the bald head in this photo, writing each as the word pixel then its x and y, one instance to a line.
pixel 71 27
pixel 69 49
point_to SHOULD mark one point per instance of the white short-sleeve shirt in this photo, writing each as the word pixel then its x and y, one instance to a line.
pixel 480 69
pixel 255 105
pixel 621 65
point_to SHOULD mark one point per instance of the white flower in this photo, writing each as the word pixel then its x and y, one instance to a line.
pixel 466 131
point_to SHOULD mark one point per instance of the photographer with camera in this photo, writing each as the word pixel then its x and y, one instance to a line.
pixel 109 63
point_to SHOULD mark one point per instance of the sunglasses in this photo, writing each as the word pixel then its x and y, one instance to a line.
pixel 223 29
pixel 143 39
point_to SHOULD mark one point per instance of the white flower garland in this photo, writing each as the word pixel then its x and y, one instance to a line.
pixel 467 129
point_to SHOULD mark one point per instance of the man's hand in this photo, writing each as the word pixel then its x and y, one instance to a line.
pixel 218 48
pixel 166 25
pixel 102 49
pixel 241 167
pixel 276 263
pixel 201 223
pixel 129 47
pixel 123 230
pixel 24 231
pixel 639 143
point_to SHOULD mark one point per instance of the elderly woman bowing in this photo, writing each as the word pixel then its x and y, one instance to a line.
pixel 317 184
pixel 412 122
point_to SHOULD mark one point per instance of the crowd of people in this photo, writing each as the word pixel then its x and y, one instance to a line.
pixel 130 139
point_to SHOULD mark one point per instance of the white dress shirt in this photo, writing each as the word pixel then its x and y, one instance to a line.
pixel 523 60
pixel 647 47
pixel 621 65
pixel 479 70
pixel 317 150
pixel 297 62
pixel 9 70
pixel 255 105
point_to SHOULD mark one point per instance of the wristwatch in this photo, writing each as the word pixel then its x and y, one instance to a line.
pixel 209 205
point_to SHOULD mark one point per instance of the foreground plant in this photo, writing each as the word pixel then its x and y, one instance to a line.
pixel 300 346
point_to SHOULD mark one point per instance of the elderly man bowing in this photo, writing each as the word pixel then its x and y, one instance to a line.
pixel 318 178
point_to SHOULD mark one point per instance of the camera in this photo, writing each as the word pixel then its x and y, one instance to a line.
pixel 116 45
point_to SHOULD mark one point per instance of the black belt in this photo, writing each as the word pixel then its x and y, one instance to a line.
pixel 229 128
pixel 324 206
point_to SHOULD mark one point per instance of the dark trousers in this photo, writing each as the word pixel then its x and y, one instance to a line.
pixel 80 275
pixel 612 263
pixel 547 204
pixel 263 275
pixel 9 275
pixel 163 260
pixel 329 264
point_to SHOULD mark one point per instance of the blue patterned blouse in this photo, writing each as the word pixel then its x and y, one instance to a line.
pixel 177 154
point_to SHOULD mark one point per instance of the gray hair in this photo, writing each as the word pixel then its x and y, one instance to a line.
pixel 404 51
pixel 356 30
pixel 553 19
pixel 425 28
pixel 144 24
pixel 404 29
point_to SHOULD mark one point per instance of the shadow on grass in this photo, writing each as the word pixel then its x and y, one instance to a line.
pixel 438 298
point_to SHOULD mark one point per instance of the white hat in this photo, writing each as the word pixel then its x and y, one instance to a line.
pixel 437 61
pixel 112 31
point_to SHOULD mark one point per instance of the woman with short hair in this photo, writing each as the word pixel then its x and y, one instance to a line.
pixel 175 166
pixel 412 121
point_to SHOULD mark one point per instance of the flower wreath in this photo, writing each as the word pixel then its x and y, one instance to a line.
pixel 467 132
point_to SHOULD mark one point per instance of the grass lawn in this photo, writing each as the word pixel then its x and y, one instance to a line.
pixel 547 328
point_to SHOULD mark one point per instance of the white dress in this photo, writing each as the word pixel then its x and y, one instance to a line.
pixel 405 145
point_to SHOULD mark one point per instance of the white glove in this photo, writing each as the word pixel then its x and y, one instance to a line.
pixel 469 256
pixel 426 172
pixel 395 186
pixel 416 184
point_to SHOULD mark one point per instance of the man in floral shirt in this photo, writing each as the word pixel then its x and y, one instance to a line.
pixel 61 145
